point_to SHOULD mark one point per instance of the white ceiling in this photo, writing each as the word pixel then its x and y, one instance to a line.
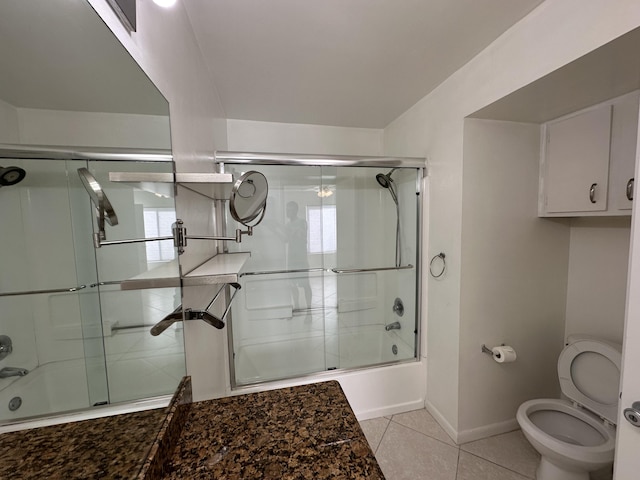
pixel 356 63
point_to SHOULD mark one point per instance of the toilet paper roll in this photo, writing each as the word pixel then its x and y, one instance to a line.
pixel 504 354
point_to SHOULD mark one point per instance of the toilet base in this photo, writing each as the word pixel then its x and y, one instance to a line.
pixel 548 471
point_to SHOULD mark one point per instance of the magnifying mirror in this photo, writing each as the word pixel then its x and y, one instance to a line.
pixel 99 198
pixel 248 200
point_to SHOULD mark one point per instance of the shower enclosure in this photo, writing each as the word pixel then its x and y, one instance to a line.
pixel 80 337
pixel 333 280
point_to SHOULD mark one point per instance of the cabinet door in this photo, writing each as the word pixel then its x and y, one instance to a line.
pixel 577 162
pixel 624 132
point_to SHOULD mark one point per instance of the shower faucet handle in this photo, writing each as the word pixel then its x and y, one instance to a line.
pixel 6 346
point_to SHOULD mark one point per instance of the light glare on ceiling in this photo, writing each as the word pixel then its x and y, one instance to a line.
pixel 165 3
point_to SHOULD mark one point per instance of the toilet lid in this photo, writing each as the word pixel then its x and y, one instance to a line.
pixel 589 373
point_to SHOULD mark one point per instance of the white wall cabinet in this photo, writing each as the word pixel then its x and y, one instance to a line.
pixel 588 161
pixel 624 133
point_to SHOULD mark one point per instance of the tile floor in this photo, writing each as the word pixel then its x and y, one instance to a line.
pixel 413 446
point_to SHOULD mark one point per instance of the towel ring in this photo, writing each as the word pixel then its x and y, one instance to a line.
pixel 444 265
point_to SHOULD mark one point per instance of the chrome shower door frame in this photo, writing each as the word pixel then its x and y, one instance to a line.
pixel 384 163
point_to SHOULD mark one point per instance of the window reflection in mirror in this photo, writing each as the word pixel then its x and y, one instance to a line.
pixel 68 85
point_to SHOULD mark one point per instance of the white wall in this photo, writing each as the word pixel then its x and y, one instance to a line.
pixel 554 34
pixel 8 123
pixel 253 136
pixel 57 127
pixel 514 278
pixel 598 265
pixel 165 47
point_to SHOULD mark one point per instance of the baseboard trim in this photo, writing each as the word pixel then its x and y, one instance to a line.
pixel 485 431
pixel 388 410
pixel 435 413
pixel 472 434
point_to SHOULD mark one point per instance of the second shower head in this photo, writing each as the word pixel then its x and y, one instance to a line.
pixel 11 175
pixel 384 179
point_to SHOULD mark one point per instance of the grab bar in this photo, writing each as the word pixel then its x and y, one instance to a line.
pixel 378 269
pixel 37 292
pixel 329 270
pixel 275 272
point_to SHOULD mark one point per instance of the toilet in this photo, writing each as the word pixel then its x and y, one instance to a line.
pixel 577 436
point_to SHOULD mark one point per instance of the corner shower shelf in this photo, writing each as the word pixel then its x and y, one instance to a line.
pixel 216 186
pixel 223 268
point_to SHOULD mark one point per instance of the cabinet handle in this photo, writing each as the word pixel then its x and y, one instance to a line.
pixel 592 192
pixel 630 189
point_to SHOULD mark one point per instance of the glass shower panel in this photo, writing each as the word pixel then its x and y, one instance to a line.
pixel 44 291
pixel 372 277
pixel 89 297
pixel 319 290
pixel 138 365
pixel 278 321
pixel 77 338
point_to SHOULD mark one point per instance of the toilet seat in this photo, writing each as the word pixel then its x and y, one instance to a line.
pixel 600 454
pixel 589 374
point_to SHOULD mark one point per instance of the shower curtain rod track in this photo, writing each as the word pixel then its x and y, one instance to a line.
pixel 318 160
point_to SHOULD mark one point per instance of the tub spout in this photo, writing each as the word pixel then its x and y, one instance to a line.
pixel 393 326
pixel 7 372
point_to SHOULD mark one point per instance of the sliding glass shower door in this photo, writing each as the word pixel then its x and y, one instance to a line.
pixel 319 290
pixel 77 338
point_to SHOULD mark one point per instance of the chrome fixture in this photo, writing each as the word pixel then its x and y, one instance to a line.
pixel 398 307
pixel 385 181
pixel 104 210
pixel 247 204
pixel 166 322
pixel 7 372
pixel 6 346
pixel 393 326
pixel 11 175
pixel 443 267
pixel 189 314
pixel 15 403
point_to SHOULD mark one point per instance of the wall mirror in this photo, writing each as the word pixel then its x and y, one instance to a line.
pixel 72 98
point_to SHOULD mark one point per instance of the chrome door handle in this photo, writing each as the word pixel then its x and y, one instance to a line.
pixel 632 414
pixel 630 189
pixel 592 192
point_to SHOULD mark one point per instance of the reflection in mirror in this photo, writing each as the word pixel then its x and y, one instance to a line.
pixel 72 98
pixel 104 210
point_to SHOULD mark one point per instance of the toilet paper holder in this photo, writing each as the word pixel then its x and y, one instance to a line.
pixel 488 350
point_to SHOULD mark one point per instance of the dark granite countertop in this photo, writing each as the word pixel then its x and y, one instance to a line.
pixel 108 447
pixel 305 432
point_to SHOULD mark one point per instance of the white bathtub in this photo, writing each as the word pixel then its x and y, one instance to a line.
pixel 53 387
pixel 58 387
pixel 399 385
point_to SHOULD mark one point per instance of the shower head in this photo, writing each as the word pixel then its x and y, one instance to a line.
pixel 11 175
pixel 98 197
pixel 384 179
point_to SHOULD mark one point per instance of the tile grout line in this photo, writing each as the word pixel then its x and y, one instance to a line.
pixel 457 463
pixel 382 437
pixel 501 466
pixel 426 435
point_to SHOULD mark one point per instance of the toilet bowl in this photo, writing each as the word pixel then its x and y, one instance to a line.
pixel 578 436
